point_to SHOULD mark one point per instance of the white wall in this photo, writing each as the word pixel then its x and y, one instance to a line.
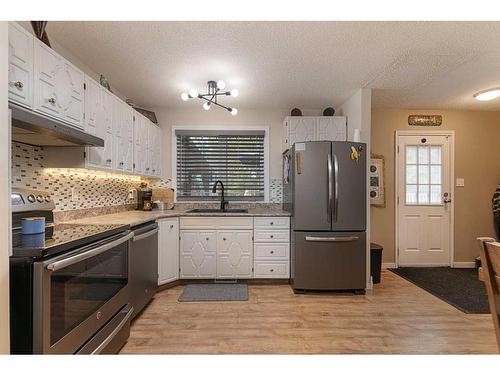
pixel 358 111
pixel 199 117
pixel 4 195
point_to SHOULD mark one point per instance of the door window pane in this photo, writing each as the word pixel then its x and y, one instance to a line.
pixel 423 172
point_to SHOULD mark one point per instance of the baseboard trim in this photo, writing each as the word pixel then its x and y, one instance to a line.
pixel 388 265
pixel 464 264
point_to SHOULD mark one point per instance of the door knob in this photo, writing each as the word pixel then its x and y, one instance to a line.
pixel 446 199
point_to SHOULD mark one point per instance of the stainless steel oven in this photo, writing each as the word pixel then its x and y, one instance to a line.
pixel 78 294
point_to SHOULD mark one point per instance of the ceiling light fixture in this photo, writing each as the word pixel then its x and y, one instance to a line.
pixel 489 94
pixel 214 90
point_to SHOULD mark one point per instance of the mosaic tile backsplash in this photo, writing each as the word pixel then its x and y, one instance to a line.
pixel 70 188
pixel 76 189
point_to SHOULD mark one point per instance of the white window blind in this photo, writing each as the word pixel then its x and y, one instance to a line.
pixel 234 157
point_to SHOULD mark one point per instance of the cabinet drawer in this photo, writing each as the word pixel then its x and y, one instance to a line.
pixel 272 222
pixel 269 251
pixel 269 270
pixel 214 222
pixel 280 235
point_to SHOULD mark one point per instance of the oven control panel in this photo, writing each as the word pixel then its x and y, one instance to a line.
pixel 30 200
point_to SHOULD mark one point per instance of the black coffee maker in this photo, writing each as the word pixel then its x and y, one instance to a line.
pixel 145 199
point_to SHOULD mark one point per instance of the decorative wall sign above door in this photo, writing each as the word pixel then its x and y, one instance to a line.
pixel 425 120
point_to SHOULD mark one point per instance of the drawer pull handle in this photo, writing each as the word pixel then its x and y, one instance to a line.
pixel 52 101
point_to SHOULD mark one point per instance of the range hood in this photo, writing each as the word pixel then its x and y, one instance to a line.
pixel 39 130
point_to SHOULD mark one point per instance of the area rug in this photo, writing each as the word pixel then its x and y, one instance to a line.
pixel 214 292
pixel 460 287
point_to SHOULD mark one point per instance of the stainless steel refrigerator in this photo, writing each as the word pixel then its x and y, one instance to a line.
pixel 324 189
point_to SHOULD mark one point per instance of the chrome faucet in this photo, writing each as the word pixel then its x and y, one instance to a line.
pixel 223 203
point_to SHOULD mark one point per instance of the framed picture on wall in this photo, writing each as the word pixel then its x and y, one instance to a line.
pixel 377 183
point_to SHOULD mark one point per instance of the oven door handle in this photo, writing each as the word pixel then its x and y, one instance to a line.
pixel 145 235
pixel 108 339
pixel 88 254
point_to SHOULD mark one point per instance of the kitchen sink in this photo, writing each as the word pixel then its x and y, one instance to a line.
pixel 217 210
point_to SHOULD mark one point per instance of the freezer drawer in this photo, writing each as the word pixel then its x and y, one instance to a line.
pixel 329 260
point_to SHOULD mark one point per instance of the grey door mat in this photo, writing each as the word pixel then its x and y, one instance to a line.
pixel 460 287
pixel 214 292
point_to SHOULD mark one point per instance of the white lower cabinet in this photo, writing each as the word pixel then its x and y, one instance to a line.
pixel 234 254
pixel 198 251
pixel 272 248
pixel 168 250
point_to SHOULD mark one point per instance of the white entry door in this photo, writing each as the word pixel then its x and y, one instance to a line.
pixel 424 199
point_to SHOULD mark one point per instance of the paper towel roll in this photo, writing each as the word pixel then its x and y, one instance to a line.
pixel 357 135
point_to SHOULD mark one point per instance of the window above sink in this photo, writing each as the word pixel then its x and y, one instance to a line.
pixel 238 157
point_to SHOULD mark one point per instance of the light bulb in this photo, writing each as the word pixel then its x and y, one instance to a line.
pixel 221 84
pixel 185 96
pixel 234 111
pixel 234 92
pixel 488 94
pixel 193 93
pixel 206 106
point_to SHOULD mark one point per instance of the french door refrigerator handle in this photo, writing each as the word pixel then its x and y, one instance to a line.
pixel 330 188
pixel 336 189
pixel 332 239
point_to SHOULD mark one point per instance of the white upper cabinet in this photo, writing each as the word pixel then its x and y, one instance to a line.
pixel 94 115
pixel 123 136
pixel 309 128
pixel 301 129
pixel 147 147
pixel 20 65
pixel 58 89
pixel 332 128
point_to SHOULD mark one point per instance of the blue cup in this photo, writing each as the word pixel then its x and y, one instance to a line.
pixel 33 225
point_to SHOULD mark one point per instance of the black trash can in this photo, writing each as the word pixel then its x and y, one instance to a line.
pixel 375 261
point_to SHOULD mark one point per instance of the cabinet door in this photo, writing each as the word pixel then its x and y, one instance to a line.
pixel 198 254
pixel 138 144
pixel 168 247
pixel 93 122
pixel 156 152
pixel 234 254
pixel 301 129
pixel 128 139
pixel 20 65
pixel 148 144
pixel 119 126
pixel 58 86
pixel 332 128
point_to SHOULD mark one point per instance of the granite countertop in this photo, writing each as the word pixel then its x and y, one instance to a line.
pixel 135 217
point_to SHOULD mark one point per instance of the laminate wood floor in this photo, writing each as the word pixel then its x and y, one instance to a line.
pixel 396 317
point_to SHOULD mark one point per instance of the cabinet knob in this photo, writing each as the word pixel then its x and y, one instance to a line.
pixel 18 84
pixel 272 223
pixel 52 101
pixel 272 251
pixel 207 238
pixel 272 236
pixel 108 161
pixel 121 163
pixel 171 226
pixel 272 270
pixel 224 238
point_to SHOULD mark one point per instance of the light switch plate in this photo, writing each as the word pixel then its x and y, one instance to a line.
pixel 460 182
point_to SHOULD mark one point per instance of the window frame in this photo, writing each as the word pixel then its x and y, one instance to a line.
pixel 173 140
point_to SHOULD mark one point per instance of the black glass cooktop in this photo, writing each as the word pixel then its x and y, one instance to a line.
pixel 60 238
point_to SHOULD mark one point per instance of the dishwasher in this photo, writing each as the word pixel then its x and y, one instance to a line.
pixel 143 265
